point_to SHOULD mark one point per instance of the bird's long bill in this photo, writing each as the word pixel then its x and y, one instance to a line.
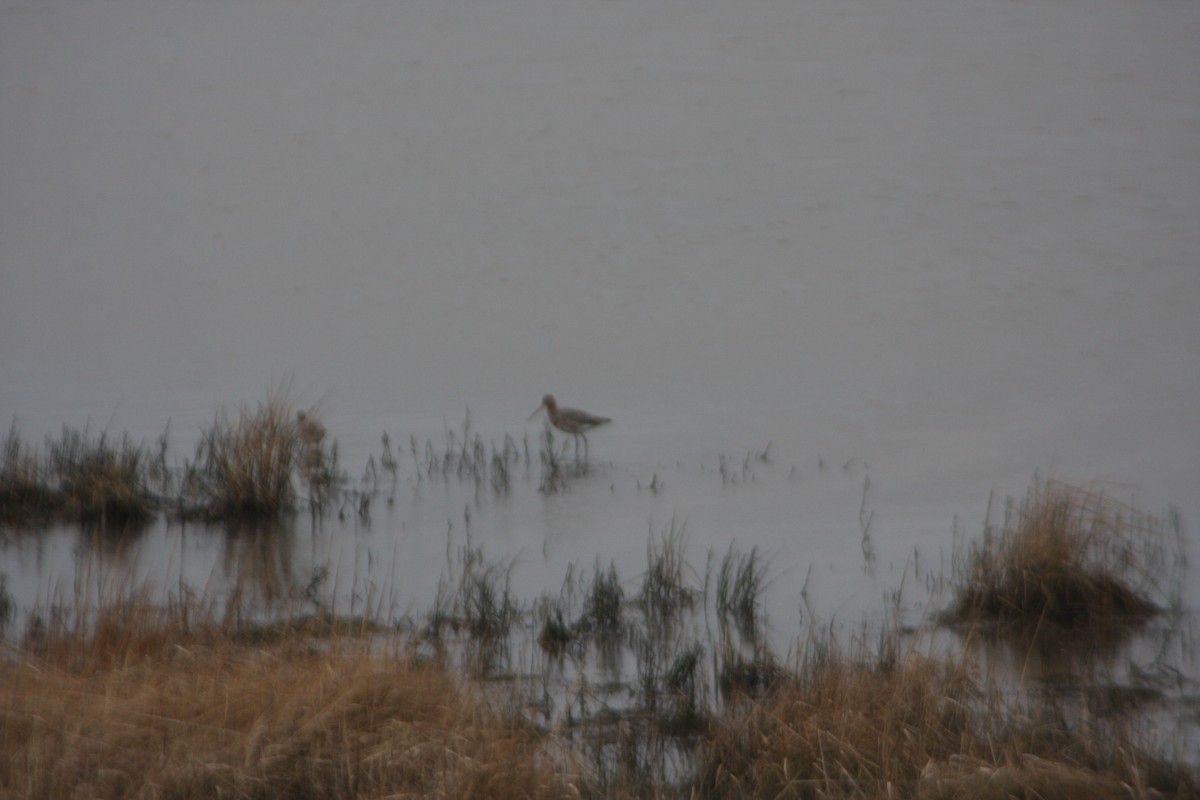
pixel 536 410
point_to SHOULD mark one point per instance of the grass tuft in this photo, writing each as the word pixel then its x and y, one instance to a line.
pixel 480 603
pixel 740 582
pixel 244 467
pixel 1068 556
pixel 603 608
pixel 665 593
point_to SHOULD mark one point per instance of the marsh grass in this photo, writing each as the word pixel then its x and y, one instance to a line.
pixel 165 703
pixel 121 697
pixel 754 675
pixel 686 713
pixel 741 580
pixel 665 592
pixel 550 455
pixel 78 477
pixel 647 749
pixel 604 607
pixel 25 490
pixel 1067 556
pixel 249 465
pixel 463 456
pixel 322 476
pixel 848 723
pixel 601 621
pixel 556 635
pixel 244 466
pixel 8 605
pixel 475 597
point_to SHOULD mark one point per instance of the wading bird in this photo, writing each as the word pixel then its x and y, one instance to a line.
pixel 570 420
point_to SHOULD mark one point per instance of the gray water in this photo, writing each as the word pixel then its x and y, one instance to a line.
pixel 921 250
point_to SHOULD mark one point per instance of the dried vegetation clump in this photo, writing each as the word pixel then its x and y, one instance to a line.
pixel 244 467
pixel 1067 556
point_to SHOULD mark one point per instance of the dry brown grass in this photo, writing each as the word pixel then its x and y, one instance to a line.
pixel 846 728
pixel 840 730
pixel 244 467
pixel 1025 776
pixel 1068 556
pixel 79 477
pixel 135 700
pixel 152 707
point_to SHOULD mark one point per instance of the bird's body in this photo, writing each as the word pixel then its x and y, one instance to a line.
pixel 570 420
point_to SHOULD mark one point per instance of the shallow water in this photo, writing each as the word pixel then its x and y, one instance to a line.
pixel 922 250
